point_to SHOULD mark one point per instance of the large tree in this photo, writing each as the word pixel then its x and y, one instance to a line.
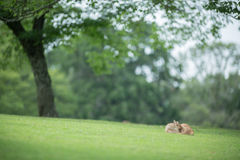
pixel 38 25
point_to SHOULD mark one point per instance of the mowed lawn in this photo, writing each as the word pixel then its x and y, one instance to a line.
pixel 34 138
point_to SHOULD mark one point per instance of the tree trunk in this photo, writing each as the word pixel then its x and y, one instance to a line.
pixel 45 96
pixel 33 46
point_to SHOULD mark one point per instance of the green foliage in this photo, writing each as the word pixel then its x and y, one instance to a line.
pixel 230 8
pixel 11 51
pixel 18 93
pixel 123 95
pixel 16 10
pixel 111 34
pixel 212 98
pixel 52 138
pixel 65 100
pixel 67 18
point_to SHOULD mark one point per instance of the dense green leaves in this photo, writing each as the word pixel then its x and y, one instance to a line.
pixel 123 95
pixel 111 34
pixel 177 22
pixel 18 93
pixel 230 8
pixel 11 53
pixel 16 96
pixel 15 10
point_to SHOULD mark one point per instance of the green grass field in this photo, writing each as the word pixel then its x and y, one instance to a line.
pixel 33 138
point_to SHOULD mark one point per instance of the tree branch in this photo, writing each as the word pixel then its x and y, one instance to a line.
pixel 21 16
pixel 16 27
pixel 38 23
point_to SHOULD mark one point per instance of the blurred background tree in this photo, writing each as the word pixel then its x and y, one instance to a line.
pixel 211 97
pixel 38 25
pixel 125 94
pixel 18 93
pixel 86 44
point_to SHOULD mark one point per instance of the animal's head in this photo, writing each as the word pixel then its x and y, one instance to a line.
pixel 179 127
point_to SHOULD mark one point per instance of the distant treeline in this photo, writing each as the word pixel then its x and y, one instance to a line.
pixel 210 99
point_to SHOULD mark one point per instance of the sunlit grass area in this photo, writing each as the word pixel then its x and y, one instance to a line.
pixel 51 138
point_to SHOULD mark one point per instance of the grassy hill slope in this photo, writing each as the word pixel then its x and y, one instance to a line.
pixel 36 138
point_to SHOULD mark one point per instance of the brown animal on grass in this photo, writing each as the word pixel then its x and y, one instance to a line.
pixel 186 129
pixel 177 128
pixel 174 127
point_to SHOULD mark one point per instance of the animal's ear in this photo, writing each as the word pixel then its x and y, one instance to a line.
pixel 174 121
